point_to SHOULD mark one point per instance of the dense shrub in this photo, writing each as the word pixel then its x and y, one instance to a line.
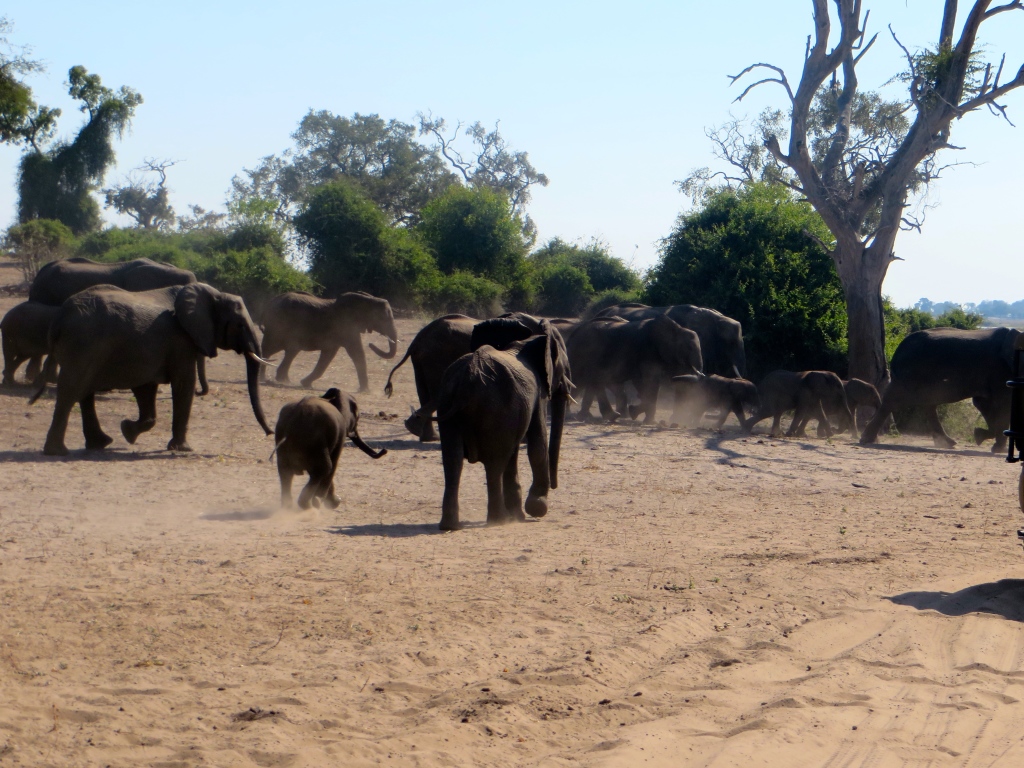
pixel 38 241
pixel 464 293
pixel 570 276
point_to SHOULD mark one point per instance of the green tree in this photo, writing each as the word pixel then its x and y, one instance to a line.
pixel 146 202
pixel 352 248
pixel 56 182
pixel 745 253
pixel 859 158
pixel 570 275
pixel 36 242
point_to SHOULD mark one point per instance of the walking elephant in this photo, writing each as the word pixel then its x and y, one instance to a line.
pixel 946 365
pixel 721 337
pixel 58 281
pixel 300 322
pixel 859 394
pixel 810 394
pixel 717 393
pixel 605 353
pixel 308 437
pixel 25 330
pixel 108 338
pixel 437 345
pixel 489 401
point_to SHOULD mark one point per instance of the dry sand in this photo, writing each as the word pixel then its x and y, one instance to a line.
pixel 693 598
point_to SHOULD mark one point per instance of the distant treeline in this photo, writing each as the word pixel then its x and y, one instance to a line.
pixel 994 308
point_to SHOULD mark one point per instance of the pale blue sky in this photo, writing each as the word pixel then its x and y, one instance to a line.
pixel 610 101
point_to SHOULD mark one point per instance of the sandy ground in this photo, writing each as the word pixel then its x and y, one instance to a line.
pixel 693 598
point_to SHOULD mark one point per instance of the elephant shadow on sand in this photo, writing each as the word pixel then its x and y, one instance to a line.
pixel 396 530
pixel 33 456
pixel 1000 598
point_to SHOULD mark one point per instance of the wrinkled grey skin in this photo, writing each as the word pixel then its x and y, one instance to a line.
pixel 58 281
pixel 721 337
pixel 489 401
pixel 946 365
pixel 309 436
pixel 300 322
pixel 717 393
pixel 810 394
pixel 859 394
pixel 25 329
pixel 108 338
pixel 605 353
pixel 437 345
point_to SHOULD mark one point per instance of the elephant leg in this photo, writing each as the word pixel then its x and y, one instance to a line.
pixel 204 386
pixel 604 405
pixel 586 401
pixel 95 438
pixel 319 469
pixel 995 415
pixel 330 497
pixel 453 454
pixel 939 436
pixel 512 490
pixel 145 396
pixel 285 475
pixel 35 364
pixel 358 355
pixel 183 390
pixel 268 347
pixel 777 424
pixel 537 452
pixel 326 356
pixel 495 471
pixel 724 414
pixel 621 400
pixel 427 406
pixel 286 364
pixel 65 401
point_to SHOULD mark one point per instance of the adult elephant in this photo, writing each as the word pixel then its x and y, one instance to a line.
pixel 490 400
pixel 58 281
pixel 25 330
pixel 810 394
pixel 300 322
pixel 946 365
pixel 443 341
pixel 605 353
pixel 721 337
pixel 108 338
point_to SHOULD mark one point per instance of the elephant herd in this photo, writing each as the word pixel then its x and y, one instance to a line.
pixel 489 385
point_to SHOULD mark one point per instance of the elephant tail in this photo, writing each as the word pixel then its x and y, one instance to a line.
pixel 277 445
pixel 389 387
pixel 48 373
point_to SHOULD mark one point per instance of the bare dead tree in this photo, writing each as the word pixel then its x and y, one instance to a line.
pixel 860 184
pixel 144 201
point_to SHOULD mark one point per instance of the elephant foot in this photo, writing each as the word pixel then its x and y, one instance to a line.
pixel 181 446
pixel 517 515
pixel 450 525
pixel 332 502
pixel 98 442
pixel 364 388
pixel 283 380
pixel 130 431
pixel 432 438
pixel 536 506
pixel 943 442
pixel 286 502
pixel 55 449
pixel 634 411
pixel 203 391
pixel 981 435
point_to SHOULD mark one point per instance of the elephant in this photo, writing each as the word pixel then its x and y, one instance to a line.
pixel 859 394
pixel 491 399
pixel 308 438
pixel 608 352
pixel 58 281
pixel 108 338
pixel 721 337
pixel 300 322
pixel 443 341
pixel 946 365
pixel 437 345
pixel 811 394
pixel 718 393
pixel 25 328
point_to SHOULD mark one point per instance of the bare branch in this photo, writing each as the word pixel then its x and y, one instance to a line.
pixel 1017 5
pixel 819 242
pixel 781 79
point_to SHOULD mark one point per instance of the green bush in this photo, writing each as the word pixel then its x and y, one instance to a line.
pixel 565 290
pixel 38 241
pixel 464 293
pixel 609 299
pixel 256 275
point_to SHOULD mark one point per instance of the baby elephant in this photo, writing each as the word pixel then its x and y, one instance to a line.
pixel 309 436
pixel 717 393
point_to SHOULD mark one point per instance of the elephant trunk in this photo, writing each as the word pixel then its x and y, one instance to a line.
pixel 392 348
pixel 558 407
pixel 357 441
pixel 252 376
pixel 386 327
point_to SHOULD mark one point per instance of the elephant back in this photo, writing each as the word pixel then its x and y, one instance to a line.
pixel 58 281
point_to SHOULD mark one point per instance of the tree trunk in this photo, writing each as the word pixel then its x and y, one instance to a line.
pixel 861 272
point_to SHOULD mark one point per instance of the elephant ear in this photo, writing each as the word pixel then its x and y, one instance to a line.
pixel 499 332
pixel 333 396
pixel 536 353
pixel 194 307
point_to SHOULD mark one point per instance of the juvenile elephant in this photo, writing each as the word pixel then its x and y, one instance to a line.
pixel 810 394
pixel 489 401
pixel 58 281
pixel 721 337
pixel 25 328
pixel 946 365
pixel 437 345
pixel 309 436
pixel 859 394
pixel 605 353
pixel 108 338
pixel 717 393
pixel 300 322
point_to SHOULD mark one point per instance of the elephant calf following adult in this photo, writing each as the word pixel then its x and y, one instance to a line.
pixel 810 394
pixel 300 322
pixel 309 436
pixel 717 393
pixel 108 338
pixel 25 330
pixel 946 365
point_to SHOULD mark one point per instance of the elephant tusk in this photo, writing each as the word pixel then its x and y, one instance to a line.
pixel 572 400
pixel 259 359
